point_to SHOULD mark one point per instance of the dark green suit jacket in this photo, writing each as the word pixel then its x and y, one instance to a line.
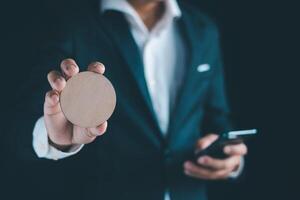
pixel 133 160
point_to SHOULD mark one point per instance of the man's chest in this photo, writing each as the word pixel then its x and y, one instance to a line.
pixel 161 70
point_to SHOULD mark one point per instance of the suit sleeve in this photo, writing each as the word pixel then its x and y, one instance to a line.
pixel 217 111
pixel 25 108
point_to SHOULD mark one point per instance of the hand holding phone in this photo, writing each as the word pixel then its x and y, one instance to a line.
pixel 233 137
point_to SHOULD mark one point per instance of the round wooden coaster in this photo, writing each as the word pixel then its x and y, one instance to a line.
pixel 88 99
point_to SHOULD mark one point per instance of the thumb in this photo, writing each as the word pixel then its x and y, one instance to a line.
pixel 205 141
pixel 58 128
pixel 52 105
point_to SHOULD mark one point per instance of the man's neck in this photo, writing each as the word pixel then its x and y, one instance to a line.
pixel 150 11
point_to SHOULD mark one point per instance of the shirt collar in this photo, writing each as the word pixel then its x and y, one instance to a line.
pixel 172 11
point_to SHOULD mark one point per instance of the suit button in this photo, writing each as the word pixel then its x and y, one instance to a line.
pixel 167 155
pixel 167 152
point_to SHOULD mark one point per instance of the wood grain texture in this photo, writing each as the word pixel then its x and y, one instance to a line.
pixel 88 99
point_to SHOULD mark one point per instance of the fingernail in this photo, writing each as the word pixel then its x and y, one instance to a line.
pixel 227 149
pixel 100 133
pixel 186 172
pixel 54 97
pixel 57 80
pixel 186 165
pixel 101 128
pixel 202 160
pixel 102 68
pixel 69 67
pixel 96 64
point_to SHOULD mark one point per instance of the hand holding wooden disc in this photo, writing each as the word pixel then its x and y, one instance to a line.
pixel 88 99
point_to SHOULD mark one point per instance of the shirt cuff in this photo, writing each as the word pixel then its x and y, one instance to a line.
pixel 42 147
pixel 239 170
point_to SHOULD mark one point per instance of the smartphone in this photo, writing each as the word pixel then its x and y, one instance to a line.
pixel 215 150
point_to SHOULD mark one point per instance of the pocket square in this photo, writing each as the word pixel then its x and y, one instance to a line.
pixel 203 68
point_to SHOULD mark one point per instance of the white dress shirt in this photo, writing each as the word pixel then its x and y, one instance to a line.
pixel 163 55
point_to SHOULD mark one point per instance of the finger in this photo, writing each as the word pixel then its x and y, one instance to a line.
pixel 96 67
pixel 69 68
pixel 193 170
pixel 206 141
pixel 237 149
pixel 56 80
pixel 51 98
pixel 82 136
pixel 219 164
pixel 58 128
pixel 51 105
pixel 100 130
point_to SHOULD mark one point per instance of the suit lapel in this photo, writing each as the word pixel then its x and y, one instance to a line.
pixel 193 38
pixel 118 30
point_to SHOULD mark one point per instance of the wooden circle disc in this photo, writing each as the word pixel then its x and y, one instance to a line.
pixel 88 99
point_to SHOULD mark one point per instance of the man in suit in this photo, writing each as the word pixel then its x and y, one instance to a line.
pixel 163 59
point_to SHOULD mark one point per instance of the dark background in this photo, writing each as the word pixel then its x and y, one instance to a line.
pixel 261 55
